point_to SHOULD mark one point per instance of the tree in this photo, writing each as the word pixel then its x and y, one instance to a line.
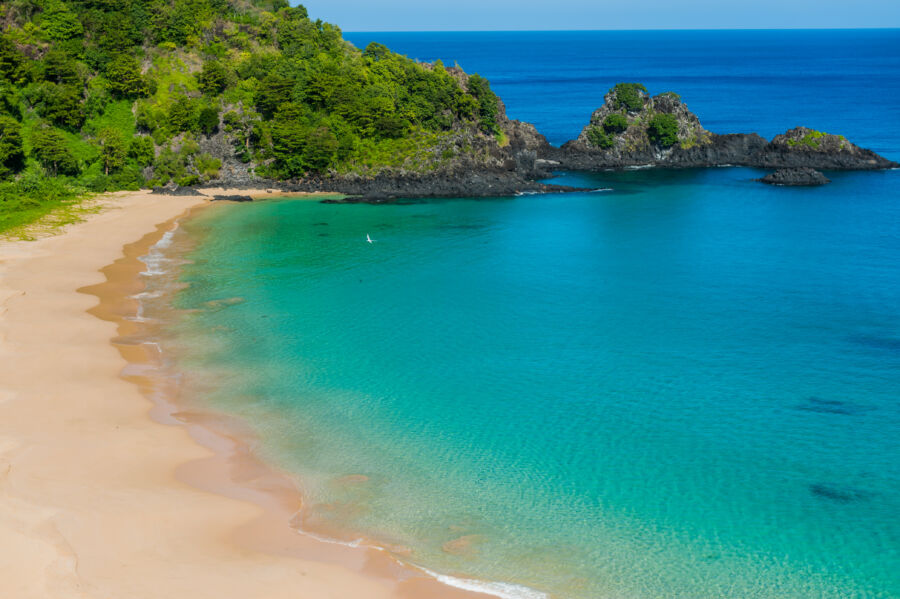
pixel 142 150
pixel 59 23
pixel 663 129
pixel 243 129
pixel 288 142
pixel 12 63
pixel 629 96
pixel 615 123
pixel 59 103
pixel 58 67
pixel 274 91
pixel 321 146
pixel 599 138
pixel 183 114
pixel 124 78
pixel 113 150
pixel 49 147
pixel 214 78
pixel 208 120
pixel 12 157
pixel 488 103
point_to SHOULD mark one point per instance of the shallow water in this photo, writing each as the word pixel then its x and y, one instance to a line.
pixel 686 386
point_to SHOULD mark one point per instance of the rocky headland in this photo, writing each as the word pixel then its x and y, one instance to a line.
pixel 631 128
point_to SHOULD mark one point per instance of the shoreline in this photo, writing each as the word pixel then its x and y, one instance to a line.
pixel 97 499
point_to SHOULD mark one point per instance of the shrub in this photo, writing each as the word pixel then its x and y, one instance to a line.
pixel 615 123
pixel 12 157
pixel 113 150
pixel 50 148
pixel 599 138
pixel 141 150
pixel 124 78
pixel 629 96
pixel 208 120
pixel 58 103
pixel 183 114
pixel 663 129
pixel 214 78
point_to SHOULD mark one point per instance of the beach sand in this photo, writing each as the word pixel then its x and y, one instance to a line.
pixel 106 494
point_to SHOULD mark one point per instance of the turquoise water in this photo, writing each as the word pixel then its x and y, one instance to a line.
pixel 684 387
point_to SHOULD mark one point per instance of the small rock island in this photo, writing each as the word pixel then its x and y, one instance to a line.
pixel 794 177
pixel 633 128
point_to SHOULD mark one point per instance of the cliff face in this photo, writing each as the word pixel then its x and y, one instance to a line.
pixel 632 128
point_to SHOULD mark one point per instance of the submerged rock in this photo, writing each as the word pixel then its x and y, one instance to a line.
pixel 796 177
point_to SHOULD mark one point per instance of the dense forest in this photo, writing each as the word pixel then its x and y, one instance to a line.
pixel 101 95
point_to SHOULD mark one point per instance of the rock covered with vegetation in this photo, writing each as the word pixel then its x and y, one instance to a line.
pixel 633 128
pixel 803 147
pixel 631 122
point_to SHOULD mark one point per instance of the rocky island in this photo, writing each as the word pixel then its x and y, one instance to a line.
pixel 633 128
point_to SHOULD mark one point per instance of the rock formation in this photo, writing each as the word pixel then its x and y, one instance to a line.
pixel 632 128
pixel 796 177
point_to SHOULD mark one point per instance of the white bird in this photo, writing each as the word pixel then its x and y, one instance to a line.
pixel 369 239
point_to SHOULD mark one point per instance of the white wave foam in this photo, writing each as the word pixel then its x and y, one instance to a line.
pixel 504 590
pixel 599 189
pixel 147 295
pixel 356 543
pixel 154 258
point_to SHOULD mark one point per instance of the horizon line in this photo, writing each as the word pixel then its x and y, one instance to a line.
pixel 862 28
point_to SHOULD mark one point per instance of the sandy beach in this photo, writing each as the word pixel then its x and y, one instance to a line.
pixel 105 493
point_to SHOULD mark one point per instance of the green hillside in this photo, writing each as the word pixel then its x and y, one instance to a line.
pixel 101 95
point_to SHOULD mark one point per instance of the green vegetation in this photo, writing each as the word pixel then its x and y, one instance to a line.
pixel 663 129
pixel 599 138
pixel 615 123
pixel 813 139
pixel 629 96
pixel 118 94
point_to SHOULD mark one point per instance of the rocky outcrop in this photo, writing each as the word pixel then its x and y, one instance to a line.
pixel 632 128
pixel 175 190
pixel 391 186
pixel 796 177
pixel 803 147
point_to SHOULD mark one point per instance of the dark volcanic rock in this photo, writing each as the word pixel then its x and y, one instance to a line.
pixel 388 186
pixel 237 198
pixel 802 147
pixel 796 177
pixel 175 190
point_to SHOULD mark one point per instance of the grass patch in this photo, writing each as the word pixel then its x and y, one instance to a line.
pixel 36 204
pixel 117 115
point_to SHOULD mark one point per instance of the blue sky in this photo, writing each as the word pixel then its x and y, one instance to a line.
pixel 428 15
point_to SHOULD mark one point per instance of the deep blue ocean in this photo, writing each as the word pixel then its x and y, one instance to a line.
pixel 686 386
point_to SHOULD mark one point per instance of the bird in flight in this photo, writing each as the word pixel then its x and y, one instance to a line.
pixel 369 239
